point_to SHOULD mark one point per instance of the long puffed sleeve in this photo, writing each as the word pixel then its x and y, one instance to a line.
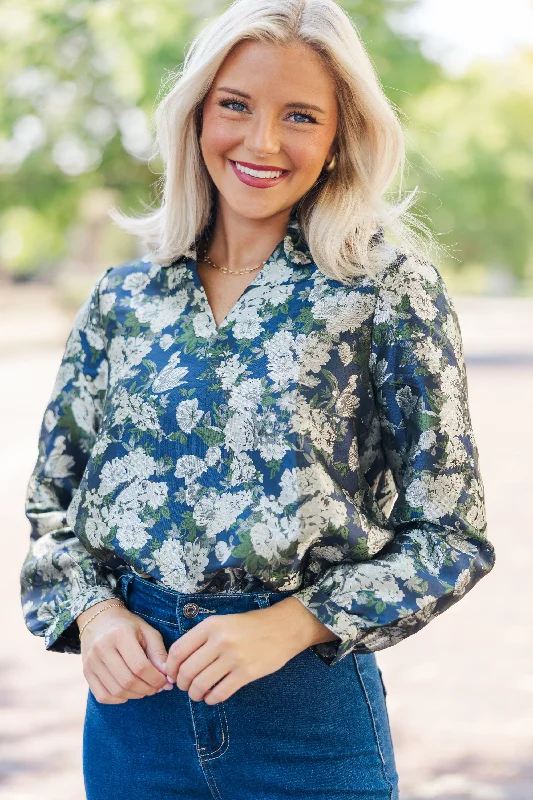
pixel 439 549
pixel 59 579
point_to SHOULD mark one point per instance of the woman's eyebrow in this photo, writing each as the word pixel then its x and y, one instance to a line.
pixel 287 105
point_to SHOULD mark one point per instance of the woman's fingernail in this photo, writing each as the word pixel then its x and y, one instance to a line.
pixel 161 689
pixel 169 679
pixel 168 686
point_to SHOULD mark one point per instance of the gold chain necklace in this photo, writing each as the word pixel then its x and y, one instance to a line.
pixel 205 257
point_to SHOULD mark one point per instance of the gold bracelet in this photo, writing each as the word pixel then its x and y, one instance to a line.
pixel 113 605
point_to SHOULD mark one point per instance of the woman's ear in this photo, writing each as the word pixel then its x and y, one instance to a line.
pixel 333 149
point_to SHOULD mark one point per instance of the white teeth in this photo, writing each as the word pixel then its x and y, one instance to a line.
pixel 257 173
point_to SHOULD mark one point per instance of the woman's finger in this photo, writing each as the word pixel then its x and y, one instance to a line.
pixel 144 677
pixel 187 644
pixel 198 662
pixel 206 678
pixel 117 677
pixel 225 688
pixel 124 676
pixel 99 690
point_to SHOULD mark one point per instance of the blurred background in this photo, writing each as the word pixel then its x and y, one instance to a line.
pixel 80 82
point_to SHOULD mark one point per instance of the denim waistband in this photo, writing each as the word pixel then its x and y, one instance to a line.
pixel 146 596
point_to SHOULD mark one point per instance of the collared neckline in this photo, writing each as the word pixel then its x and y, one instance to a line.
pixel 293 247
pixel 290 253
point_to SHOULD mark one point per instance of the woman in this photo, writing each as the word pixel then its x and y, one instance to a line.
pixel 257 466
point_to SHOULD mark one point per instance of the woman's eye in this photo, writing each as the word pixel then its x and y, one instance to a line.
pixel 228 103
pixel 307 116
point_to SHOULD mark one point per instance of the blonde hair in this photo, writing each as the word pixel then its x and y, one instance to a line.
pixel 342 211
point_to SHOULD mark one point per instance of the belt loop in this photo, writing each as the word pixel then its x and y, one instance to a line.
pixel 262 600
pixel 124 582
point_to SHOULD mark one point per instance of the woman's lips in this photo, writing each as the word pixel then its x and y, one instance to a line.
pixel 258 183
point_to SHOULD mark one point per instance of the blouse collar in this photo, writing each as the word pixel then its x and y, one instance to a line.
pixel 293 245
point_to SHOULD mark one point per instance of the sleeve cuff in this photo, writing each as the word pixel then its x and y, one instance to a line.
pixel 334 618
pixel 62 635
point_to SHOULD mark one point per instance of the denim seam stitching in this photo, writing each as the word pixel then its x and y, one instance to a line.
pixel 374 726
pixel 225 735
pixel 156 619
pixel 207 778
pixel 207 756
pixel 218 796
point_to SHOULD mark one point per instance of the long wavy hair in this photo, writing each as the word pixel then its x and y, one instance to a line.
pixel 343 210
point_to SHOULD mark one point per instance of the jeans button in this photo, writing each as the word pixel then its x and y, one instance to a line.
pixel 191 609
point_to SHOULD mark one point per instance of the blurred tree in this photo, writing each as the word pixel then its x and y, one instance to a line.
pixel 476 136
pixel 81 80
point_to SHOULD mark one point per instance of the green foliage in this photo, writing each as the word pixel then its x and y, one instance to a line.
pixel 474 137
pixel 81 80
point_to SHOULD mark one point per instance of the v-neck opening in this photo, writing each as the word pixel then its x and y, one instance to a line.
pixel 199 285
pixel 207 304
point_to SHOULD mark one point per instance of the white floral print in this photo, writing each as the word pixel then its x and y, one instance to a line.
pixel 318 438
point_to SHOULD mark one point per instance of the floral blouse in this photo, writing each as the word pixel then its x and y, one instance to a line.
pixel 318 440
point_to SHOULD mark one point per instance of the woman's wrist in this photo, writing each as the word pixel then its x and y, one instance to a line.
pixel 302 624
pixel 82 618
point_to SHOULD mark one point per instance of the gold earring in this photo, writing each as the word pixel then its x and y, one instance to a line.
pixel 331 166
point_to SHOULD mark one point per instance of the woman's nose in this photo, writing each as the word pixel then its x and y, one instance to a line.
pixel 263 137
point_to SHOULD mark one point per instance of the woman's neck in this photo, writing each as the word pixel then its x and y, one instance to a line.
pixel 242 243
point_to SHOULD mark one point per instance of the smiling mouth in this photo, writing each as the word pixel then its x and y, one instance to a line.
pixel 267 174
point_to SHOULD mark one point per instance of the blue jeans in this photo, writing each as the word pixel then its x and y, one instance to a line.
pixel 306 731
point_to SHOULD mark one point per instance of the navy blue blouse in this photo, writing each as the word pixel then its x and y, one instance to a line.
pixel 318 440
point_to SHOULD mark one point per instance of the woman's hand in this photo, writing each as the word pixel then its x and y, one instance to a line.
pixel 123 656
pixel 236 649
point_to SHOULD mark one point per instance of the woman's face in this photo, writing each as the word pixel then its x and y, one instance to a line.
pixel 269 106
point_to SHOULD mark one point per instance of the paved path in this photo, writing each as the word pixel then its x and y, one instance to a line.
pixel 460 692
